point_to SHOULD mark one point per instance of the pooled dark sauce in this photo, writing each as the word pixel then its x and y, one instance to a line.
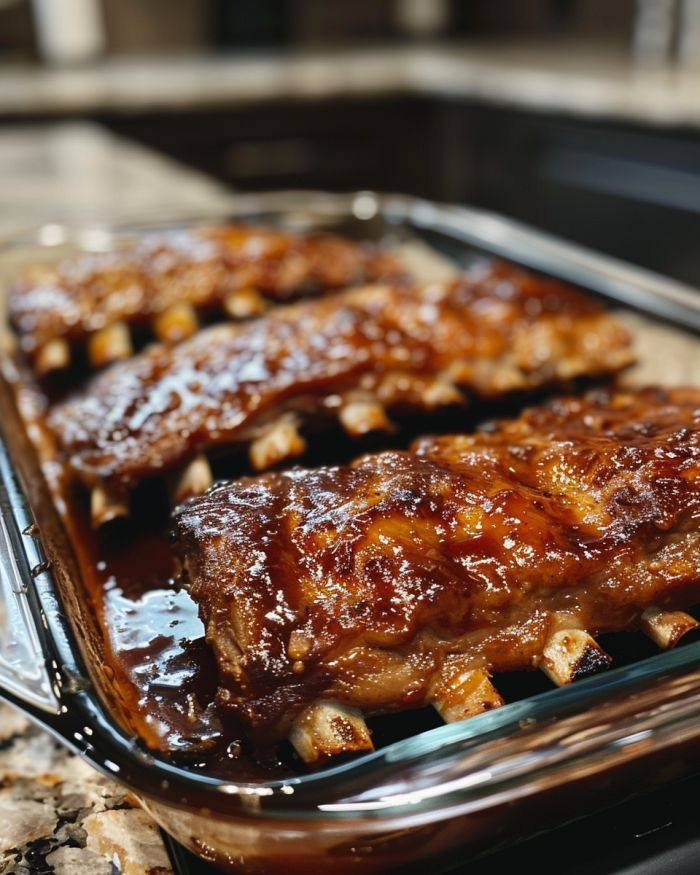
pixel 158 638
pixel 160 660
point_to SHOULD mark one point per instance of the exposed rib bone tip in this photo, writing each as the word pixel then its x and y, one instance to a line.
pixel 110 344
pixel 244 304
pixel 666 628
pixel 465 694
pixel 194 479
pixel 53 356
pixel 440 393
pixel 106 506
pixel 571 654
pixel 280 442
pixel 176 322
pixel 363 416
pixel 328 728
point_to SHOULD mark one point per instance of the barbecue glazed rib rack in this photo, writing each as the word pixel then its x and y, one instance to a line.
pixel 405 578
pixel 170 280
pixel 421 797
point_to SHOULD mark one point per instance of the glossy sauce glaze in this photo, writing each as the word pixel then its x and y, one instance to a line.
pixel 362 583
pixel 490 333
pixel 199 266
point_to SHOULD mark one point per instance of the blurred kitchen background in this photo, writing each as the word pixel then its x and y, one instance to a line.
pixel 581 117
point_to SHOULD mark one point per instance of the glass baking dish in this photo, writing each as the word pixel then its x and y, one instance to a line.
pixel 440 795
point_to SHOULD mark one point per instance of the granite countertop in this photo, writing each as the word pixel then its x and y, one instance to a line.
pixel 79 172
pixel 56 813
pixel 574 78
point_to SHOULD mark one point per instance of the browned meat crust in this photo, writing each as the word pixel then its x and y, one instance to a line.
pixel 201 267
pixel 362 584
pixel 488 333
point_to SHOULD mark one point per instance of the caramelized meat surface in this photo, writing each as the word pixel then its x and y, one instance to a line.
pixel 201 267
pixel 370 584
pixel 488 333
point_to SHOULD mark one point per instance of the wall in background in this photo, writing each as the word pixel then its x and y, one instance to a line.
pixel 177 26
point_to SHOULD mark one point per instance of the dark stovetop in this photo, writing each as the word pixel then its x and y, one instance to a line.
pixel 655 833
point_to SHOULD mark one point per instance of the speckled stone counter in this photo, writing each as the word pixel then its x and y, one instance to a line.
pixel 58 815
pixel 79 172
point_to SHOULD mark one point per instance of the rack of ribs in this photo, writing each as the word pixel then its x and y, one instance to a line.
pixel 409 578
pixel 354 356
pixel 166 281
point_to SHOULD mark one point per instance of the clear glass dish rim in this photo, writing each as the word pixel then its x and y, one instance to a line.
pixel 673 302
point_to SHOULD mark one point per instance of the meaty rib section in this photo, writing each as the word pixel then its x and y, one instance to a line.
pixel 164 279
pixel 350 356
pixel 409 577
